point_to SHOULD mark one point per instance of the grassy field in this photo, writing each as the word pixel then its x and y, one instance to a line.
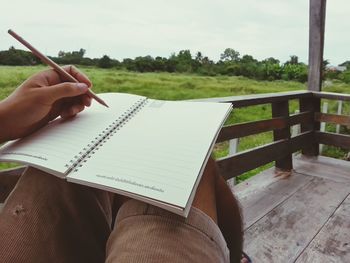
pixel 179 87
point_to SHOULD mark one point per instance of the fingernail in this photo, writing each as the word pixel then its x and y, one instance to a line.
pixel 82 86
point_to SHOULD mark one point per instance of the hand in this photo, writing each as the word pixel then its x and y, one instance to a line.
pixel 40 99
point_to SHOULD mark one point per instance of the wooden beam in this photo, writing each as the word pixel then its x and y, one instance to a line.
pixel 301 118
pixel 316 43
pixel 235 165
pixel 313 105
pixel 338 140
pixel 331 96
pixel 250 128
pixel 257 99
pixel 281 109
pixel 332 118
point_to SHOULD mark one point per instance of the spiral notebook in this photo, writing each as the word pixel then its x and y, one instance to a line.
pixel 147 149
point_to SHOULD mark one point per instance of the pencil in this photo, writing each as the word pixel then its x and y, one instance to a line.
pixel 55 66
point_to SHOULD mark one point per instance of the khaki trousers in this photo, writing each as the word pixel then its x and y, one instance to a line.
pixel 46 219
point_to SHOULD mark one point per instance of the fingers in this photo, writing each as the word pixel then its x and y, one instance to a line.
pixel 52 77
pixel 72 111
pixel 63 90
pixel 77 74
pixel 75 106
pixel 86 100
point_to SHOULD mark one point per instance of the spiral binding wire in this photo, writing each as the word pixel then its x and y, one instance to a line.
pixel 78 160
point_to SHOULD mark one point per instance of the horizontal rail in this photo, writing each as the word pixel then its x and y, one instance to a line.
pixel 256 99
pixel 332 118
pixel 255 127
pixel 237 164
pixel 250 128
pixel 331 96
pixel 301 118
pixel 333 139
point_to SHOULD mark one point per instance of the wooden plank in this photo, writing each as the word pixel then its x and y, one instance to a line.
pixel 234 165
pixel 250 128
pixel 244 161
pixel 255 127
pixel 301 141
pixel 257 99
pixel 324 167
pixel 332 118
pixel 313 105
pixel 332 244
pixel 332 96
pixel 260 194
pixel 281 109
pixel 333 139
pixel 286 231
pixel 301 118
pixel 316 43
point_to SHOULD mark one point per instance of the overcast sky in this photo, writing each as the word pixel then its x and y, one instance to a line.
pixel 130 28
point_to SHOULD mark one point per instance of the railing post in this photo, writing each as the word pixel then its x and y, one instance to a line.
pixel 316 43
pixel 281 109
pixel 313 105
pixel 323 124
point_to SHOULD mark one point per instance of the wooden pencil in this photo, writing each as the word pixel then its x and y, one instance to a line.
pixel 52 64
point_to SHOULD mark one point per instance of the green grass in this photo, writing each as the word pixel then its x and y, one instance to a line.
pixel 172 86
pixel 169 86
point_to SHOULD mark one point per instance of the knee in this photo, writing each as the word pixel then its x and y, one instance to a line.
pixel 205 199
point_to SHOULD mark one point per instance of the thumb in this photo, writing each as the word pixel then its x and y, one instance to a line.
pixel 65 89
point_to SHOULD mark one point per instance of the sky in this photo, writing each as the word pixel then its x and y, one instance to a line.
pixel 131 28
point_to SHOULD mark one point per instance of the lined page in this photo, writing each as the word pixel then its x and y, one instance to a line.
pixel 53 147
pixel 159 153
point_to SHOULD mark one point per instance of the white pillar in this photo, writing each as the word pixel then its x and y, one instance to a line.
pixel 323 124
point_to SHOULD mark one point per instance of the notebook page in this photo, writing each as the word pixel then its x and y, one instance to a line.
pixel 56 145
pixel 159 153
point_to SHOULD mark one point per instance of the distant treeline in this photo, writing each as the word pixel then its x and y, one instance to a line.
pixel 231 63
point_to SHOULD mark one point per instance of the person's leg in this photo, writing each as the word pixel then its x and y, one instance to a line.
pixel 229 218
pixel 221 205
pixel 46 219
pixel 144 233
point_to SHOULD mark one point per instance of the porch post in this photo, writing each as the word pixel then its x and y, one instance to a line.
pixel 316 43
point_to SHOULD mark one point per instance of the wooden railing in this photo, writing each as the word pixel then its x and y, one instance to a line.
pixel 283 145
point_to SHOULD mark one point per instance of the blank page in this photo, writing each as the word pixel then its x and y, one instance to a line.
pixel 159 153
pixel 56 145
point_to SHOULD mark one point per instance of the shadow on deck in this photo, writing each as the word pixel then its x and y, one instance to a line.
pixel 302 218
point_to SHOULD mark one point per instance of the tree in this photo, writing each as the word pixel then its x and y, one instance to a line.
pixel 199 57
pixel 271 60
pixel 74 57
pixel 345 64
pixel 294 60
pixel 248 59
pixel 230 55
pixel 184 61
pixel 144 64
pixel 105 62
pixel 17 57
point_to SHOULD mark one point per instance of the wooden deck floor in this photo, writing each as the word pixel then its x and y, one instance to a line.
pixel 303 218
